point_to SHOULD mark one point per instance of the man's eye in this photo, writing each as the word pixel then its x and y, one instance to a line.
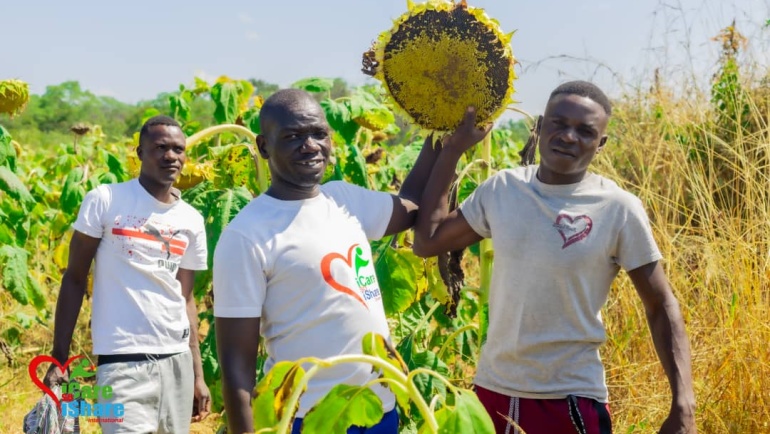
pixel 321 135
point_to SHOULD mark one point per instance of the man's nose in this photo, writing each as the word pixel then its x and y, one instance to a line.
pixel 569 135
pixel 310 145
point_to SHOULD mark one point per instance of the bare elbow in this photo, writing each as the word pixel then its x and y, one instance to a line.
pixel 418 251
pixel 73 282
pixel 421 250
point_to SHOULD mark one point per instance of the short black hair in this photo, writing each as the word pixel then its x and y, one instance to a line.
pixel 281 102
pixel 155 121
pixel 585 89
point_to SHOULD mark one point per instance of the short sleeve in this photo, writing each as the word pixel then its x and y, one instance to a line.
pixel 474 208
pixel 196 254
pixel 91 214
pixel 374 209
pixel 239 279
pixel 636 245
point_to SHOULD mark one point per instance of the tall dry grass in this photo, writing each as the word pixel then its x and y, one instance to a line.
pixel 704 177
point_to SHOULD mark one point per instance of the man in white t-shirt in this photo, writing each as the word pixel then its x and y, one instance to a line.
pixel 561 235
pixel 295 265
pixel 146 243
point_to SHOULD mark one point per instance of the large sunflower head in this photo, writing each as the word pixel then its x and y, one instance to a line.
pixel 14 95
pixel 441 57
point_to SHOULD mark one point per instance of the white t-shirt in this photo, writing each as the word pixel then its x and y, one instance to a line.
pixel 138 305
pixel 557 250
pixel 305 268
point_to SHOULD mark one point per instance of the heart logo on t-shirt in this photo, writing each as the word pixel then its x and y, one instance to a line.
pixel 326 263
pixel 573 229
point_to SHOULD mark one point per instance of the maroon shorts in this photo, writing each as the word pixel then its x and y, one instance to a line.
pixel 546 416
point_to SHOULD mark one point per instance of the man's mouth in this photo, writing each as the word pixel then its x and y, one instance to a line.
pixel 310 163
pixel 562 153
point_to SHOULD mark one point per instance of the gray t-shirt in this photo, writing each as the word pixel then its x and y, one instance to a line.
pixel 557 250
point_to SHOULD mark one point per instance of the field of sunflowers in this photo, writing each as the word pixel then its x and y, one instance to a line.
pixel 700 163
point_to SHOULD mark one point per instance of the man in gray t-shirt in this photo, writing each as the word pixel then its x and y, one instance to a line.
pixel 561 235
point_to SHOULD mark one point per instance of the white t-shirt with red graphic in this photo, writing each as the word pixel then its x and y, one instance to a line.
pixel 138 305
pixel 305 268
pixel 557 250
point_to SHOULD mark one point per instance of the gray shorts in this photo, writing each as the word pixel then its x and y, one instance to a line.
pixel 157 396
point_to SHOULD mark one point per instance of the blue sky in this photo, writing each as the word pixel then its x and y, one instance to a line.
pixel 135 49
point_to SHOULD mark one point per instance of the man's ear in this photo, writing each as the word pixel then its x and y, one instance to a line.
pixel 602 142
pixel 261 146
pixel 139 151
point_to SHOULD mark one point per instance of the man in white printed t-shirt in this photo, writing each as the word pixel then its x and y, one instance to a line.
pixel 561 235
pixel 147 243
pixel 295 265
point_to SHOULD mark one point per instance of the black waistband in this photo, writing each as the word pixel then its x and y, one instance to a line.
pixel 123 358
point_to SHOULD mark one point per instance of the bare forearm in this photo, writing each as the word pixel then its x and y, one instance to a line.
pixel 67 310
pixel 435 204
pixel 673 348
pixel 237 344
pixel 238 407
pixel 238 380
pixel 415 181
pixel 195 350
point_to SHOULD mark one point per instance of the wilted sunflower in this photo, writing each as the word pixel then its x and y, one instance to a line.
pixel 441 57
pixel 14 95
pixel 193 173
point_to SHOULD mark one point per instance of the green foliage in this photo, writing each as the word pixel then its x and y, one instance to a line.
pixel 354 167
pixel 225 96
pixel 14 262
pixel 273 394
pixel 64 105
pixel 339 116
pixel 467 411
pixel 73 192
pixel 729 98
pixel 398 272
pixel 427 384
pixel 342 407
pixel 7 152
pixel 14 187
pixel 314 84
pixel 180 104
pixel 210 364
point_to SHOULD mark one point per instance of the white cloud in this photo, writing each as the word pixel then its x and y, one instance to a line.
pixel 245 18
pixel 252 36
